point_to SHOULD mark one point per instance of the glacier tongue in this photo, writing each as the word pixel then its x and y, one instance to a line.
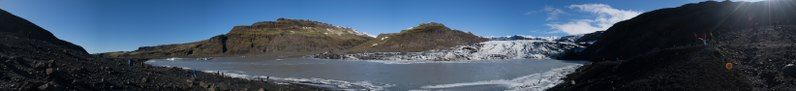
pixel 495 49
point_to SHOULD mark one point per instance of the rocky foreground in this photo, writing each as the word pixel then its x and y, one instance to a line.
pixel 748 46
pixel 31 58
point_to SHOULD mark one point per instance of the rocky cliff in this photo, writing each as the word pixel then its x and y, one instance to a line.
pixel 280 38
pixel 748 46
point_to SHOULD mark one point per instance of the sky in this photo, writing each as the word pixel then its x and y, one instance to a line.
pixel 124 25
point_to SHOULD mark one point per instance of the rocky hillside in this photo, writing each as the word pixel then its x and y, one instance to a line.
pixel 280 38
pixel 31 58
pixel 426 36
pixel 14 28
pixel 749 46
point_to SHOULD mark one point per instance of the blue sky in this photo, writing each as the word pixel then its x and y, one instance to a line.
pixel 125 25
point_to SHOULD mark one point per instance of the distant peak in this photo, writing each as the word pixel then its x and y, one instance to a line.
pixel 431 24
pixel 293 20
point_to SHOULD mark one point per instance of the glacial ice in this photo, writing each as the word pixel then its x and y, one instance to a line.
pixel 495 49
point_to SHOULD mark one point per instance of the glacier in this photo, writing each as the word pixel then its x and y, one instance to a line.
pixel 494 49
pixel 509 47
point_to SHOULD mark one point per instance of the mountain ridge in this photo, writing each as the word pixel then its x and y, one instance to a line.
pixel 280 38
pixel 425 36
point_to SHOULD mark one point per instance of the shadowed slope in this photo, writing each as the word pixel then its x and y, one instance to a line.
pixel 748 48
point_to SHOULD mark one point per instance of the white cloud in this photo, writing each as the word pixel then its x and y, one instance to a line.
pixel 604 16
pixel 553 13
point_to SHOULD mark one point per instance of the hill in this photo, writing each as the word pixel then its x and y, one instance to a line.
pixel 749 46
pixel 426 36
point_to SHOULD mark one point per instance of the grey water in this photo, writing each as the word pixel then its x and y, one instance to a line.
pixel 377 75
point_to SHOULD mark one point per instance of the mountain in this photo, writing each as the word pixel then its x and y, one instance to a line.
pixel 280 38
pixel 749 46
pixel 32 59
pixel 426 36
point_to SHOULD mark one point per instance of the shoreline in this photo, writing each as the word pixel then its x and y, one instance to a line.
pixel 215 80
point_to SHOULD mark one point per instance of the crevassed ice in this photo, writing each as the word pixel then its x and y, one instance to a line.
pixel 504 49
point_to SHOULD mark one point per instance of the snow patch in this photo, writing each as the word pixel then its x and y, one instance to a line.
pixel 532 82
pixel 319 82
pixel 174 58
pixel 384 38
pixel 420 61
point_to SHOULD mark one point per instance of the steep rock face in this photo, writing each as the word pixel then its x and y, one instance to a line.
pixel 748 47
pixel 281 38
pixel 426 36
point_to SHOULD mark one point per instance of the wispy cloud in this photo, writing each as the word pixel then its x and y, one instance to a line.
pixel 603 17
pixel 552 13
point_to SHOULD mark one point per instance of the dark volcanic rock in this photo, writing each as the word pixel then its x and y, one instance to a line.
pixel 281 38
pixel 671 27
pixel 426 36
pixel 17 33
pixel 748 46
pixel 31 58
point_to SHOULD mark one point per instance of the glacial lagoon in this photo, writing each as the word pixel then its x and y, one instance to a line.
pixel 513 74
